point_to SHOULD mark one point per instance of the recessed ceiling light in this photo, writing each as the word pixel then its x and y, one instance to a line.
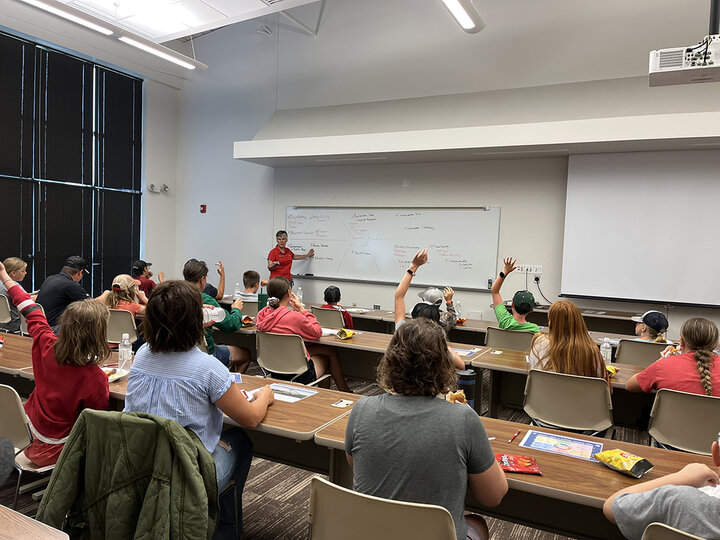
pixel 465 14
pixel 157 50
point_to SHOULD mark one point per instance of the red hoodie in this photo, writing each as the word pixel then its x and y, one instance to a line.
pixel 283 320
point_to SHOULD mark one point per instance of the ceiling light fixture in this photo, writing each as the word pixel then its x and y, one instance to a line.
pixel 157 50
pixel 466 15
pixel 61 11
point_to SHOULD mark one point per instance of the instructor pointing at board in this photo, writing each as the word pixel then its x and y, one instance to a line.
pixel 280 258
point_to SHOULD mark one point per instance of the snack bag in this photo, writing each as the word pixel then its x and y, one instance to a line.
pixel 456 397
pixel 344 333
pixel 624 462
pixel 247 320
pixel 518 464
pixel 612 370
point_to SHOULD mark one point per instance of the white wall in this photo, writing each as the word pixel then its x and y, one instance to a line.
pixel 228 102
pixel 531 194
pixel 160 160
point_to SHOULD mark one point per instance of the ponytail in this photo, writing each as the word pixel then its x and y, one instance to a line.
pixel 701 336
pixel 704 360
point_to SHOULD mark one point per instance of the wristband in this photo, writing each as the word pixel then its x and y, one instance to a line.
pixel 410 272
pixel 502 275
pixel 449 303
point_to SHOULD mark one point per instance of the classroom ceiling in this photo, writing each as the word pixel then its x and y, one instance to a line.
pixel 163 20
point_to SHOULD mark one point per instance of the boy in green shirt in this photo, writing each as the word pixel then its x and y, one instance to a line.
pixel 523 303
pixel 232 356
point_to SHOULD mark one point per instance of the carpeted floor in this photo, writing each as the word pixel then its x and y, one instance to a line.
pixel 276 496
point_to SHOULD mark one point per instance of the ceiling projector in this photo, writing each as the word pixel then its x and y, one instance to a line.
pixel 686 65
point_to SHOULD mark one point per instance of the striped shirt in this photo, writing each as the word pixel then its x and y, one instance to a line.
pixel 182 386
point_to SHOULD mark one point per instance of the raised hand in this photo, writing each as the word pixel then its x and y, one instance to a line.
pixel 509 265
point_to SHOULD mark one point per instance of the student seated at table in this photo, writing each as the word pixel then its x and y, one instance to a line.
pixel 332 297
pixel 17 270
pixel 651 326
pixel 687 500
pixel 285 314
pixel 172 378
pixel 66 369
pixel 424 310
pixel 695 370
pixel 522 304
pixel 433 295
pixel 252 283
pixel 125 294
pixel 141 271
pixel 233 356
pixel 409 445
pixel 567 347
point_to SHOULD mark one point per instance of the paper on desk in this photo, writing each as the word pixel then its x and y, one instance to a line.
pixel 329 332
pixel 286 392
pixel 557 444
pixel 465 352
pixel 357 310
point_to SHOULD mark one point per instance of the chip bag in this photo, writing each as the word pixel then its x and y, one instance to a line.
pixel 624 462
pixel 344 333
pixel 518 464
pixel 612 370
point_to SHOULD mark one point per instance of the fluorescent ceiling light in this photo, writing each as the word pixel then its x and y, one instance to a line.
pixel 465 14
pixel 157 50
pixel 66 14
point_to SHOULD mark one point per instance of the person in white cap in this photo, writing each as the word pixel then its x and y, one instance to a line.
pixel 651 326
pixel 434 296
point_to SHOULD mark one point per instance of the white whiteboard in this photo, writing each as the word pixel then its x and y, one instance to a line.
pixel 377 244
pixel 643 226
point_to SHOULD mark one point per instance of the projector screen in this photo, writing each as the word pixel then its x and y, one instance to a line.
pixel 643 226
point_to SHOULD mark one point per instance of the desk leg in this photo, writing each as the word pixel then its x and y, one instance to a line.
pixel 340 471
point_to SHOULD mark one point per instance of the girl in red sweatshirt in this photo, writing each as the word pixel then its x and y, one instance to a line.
pixel 278 317
pixel 67 375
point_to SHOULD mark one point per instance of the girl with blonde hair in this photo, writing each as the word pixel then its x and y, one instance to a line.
pixel 694 370
pixel 567 348
pixel 66 368
pixel 125 294
pixel 17 270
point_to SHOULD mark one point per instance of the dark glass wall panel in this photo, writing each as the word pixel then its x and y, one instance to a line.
pixel 119 130
pixel 64 118
pixel 16 222
pixel 16 106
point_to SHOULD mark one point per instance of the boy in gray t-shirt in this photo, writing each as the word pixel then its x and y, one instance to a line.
pixel 412 446
pixel 674 499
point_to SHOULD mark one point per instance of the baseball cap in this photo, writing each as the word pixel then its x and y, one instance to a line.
pixel 123 282
pixel 524 301
pixel 139 265
pixel 431 295
pixel 654 319
pixel 77 262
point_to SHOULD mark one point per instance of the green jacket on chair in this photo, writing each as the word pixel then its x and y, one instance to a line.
pixel 132 475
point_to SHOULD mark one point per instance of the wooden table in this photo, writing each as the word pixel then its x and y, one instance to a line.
pixel 596 319
pixel 17 526
pixel 567 499
pixel 508 374
pixel 15 354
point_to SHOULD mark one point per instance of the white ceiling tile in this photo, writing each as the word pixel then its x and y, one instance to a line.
pixel 232 8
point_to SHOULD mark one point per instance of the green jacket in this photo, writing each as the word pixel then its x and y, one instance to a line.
pixel 231 322
pixel 132 476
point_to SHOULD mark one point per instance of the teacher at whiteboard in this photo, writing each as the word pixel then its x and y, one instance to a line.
pixel 280 258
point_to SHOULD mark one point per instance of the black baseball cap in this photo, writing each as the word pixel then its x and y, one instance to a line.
pixel 77 262
pixel 654 319
pixel 138 267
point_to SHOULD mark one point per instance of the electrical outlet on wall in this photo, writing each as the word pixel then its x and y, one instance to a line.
pixel 521 269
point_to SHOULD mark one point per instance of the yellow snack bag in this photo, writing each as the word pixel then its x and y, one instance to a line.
pixel 344 333
pixel 624 462
pixel 612 370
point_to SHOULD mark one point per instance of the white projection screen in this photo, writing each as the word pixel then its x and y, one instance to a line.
pixel 643 226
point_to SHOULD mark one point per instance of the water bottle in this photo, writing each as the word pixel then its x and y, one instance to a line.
pixel 606 351
pixel 124 351
pixel 461 319
pixel 237 291
pixel 299 294
pixel 213 314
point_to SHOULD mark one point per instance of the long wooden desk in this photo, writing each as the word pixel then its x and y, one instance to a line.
pixel 596 319
pixel 17 526
pixel 567 499
pixel 15 354
pixel 508 373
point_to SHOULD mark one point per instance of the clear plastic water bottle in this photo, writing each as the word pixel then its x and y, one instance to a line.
pixel 299 294
pixel 606 351
pixel 237 293
pixel 124 351
pixel 461 318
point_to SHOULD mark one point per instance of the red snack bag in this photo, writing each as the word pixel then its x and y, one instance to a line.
pixel 519 464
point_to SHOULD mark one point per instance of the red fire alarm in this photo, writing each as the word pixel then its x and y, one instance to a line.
pixel 203 208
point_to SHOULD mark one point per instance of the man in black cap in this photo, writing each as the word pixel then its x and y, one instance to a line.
pixel 61 290
pixel 141 271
